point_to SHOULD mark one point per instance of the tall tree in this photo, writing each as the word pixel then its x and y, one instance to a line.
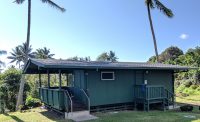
pixel 51 3
pixel 103 57
pixel 2 52
pixel 168 55
pixel 151 4
pixel 107 56
pixel 43 53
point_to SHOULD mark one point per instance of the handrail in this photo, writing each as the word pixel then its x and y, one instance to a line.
pixel 146 88
pixel 169 91
pixel 87 98
pixel 149 85
pixel 66 92
pixel 172 96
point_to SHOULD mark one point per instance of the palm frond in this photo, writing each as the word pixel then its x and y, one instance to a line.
pixel 19 1
pixel 168 12
pixel 2 52
pixel 149 3
pixel 51 3
pixel 2 64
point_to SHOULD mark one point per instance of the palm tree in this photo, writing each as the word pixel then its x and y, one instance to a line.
pixel 51 3
pixel 2 52
pixel 18 54
pixel 107 56
pixel 112 57
pixel 43 53
pixel 151 4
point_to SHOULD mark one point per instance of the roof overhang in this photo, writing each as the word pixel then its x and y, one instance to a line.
pixel 34 66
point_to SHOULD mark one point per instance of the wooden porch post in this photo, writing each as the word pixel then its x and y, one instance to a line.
pixel 173 91
pixel 60 81
pixel 40 83
pixel 67 78
pixel 48 78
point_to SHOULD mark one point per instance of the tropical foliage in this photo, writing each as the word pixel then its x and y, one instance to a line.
pixel 107 56
pixel 9 86
pixel 168 55
pixel 51 3
pixel 18 54
pixel 76 58
pixel 2 52
pixel 187 83
pixel 43 53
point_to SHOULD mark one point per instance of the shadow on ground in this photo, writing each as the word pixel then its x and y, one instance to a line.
pixel 196 108
pixel 52 115
pixel 13 117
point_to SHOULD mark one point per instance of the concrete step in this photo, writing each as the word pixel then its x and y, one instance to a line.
pixel 79 116
pixel 171 107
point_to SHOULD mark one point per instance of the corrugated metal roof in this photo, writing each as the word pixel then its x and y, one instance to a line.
pixel 35 64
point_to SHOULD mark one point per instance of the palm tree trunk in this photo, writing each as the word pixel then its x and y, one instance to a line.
pixel 21 89
pixel 153 33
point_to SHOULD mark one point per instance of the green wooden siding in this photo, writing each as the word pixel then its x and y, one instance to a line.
pixel 79 79
pixel 54 98
pixel 162 77
pixel 121 89
pixel 139 77
pixel 104 92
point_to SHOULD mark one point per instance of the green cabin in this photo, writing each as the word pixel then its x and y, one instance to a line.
pixel 96 85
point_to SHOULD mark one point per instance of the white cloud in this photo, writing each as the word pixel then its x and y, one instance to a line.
pixel 184 36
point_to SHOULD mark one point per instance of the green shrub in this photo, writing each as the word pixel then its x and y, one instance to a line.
pixel 184 94
pixel 9 87
pixel 189 91
pixel 194 86
pixel 198 89
pixel 180 88
pixel 32 102
pixel 188 83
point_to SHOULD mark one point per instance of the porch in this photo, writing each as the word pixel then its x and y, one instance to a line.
pixel 71 99
pixel 65 99
pixel 150 94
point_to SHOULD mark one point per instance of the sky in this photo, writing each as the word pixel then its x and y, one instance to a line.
pixel 90 27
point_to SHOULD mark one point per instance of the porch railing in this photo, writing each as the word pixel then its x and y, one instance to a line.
pixel 67 95
pixel 80 95
pixel 64 99
pixel 87 99
pixel 152 92
pixel 56 98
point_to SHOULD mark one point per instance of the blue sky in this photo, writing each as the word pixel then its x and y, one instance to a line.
pixel 90 27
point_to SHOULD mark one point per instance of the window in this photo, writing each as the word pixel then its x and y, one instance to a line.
pixel 107 76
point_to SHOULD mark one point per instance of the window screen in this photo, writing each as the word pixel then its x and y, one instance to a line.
pixel 107 76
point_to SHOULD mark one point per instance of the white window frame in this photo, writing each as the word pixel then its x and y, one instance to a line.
pixel 108 72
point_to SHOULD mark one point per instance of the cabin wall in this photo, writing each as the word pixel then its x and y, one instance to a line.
pixel 79 79
pixel 161 77
pixel 104 92
pixel 120 90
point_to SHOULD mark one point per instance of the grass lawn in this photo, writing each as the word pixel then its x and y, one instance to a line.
pixel 35 115
pixel 153 116
pixel 38 115
pixel 42 115
pixel 191 99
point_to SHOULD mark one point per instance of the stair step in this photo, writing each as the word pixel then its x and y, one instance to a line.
pixel 79 116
